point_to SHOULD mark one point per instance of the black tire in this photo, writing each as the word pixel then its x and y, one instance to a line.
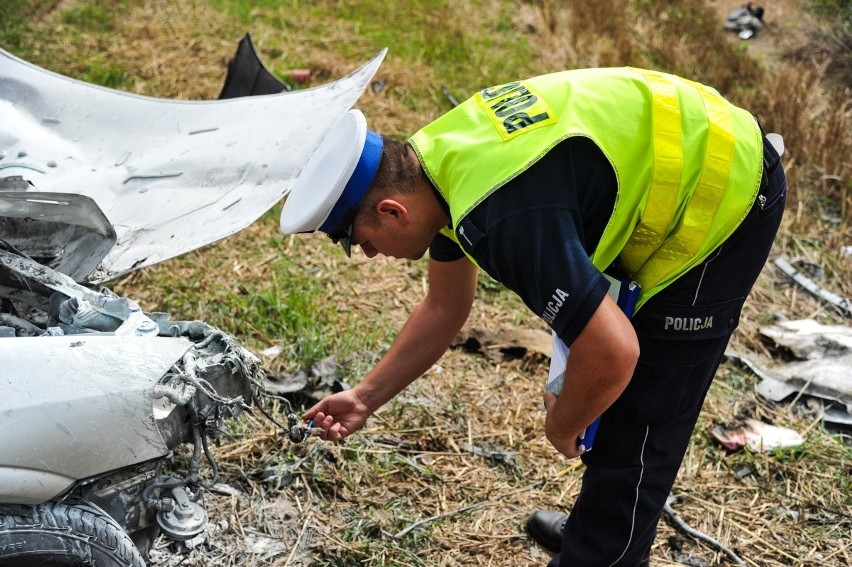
pixel 58 535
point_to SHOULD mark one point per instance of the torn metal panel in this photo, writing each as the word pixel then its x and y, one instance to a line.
pixel 808 339
pixel 56 303
pixel 825 366
pixel 843 305
pixel 63 231
pixel 26 281
pixel 826 378
pixel 248 76
pixel 823 369
pixel 76 406
pixel 171 176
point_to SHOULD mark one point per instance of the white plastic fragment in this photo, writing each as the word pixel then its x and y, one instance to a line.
pixel 757 436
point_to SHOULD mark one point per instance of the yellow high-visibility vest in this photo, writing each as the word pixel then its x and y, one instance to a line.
pixel 688 163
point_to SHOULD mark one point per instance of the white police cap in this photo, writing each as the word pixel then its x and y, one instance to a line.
pixel 335 179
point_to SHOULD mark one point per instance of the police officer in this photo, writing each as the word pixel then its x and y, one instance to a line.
pixel 547 184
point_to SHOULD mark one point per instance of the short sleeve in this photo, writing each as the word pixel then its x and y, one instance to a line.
pixel 443 249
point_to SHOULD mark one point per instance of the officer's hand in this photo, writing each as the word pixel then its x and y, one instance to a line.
pixel 339 415
pixel 564 441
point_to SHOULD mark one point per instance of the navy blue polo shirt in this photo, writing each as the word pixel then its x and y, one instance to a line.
pixel 536 233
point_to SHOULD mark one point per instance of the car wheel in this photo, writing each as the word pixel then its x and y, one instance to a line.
pixel 58 535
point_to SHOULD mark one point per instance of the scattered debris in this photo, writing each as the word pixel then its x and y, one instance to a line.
pixel 683 526
pixel 259 544
pixel 225 489
pixel 322 378
pixel 823 369
pixel 676 543
pixel 812 287
pixel 809 339
pixel 495 456
pixel 830 214
pixel 300 75
pixel 506 344
pixel 247 74
pixel 286 383
pixel 745 21
pixel 326 372
pixel 271 352
pixel 744 472
pixel 757 436
pixel 378 85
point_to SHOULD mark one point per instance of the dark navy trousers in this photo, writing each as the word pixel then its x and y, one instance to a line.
pixel 643 436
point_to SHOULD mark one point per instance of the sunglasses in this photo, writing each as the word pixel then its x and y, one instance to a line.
pixel 343 235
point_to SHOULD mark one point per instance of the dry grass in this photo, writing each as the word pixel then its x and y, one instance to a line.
pixel 342 504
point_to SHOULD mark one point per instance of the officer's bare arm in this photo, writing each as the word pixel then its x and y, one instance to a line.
pixel 427 334
pixel 600 366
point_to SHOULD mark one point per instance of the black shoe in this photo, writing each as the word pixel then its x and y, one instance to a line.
pixel 545 527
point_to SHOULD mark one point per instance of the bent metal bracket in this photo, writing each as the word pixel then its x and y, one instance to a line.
pixel 170 175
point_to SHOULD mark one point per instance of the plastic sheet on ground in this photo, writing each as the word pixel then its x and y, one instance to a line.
pixel 821 366
pixel 757 436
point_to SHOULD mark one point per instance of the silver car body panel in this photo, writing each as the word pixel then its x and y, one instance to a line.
pixel 169 175
pixel 88 398
pixel 66 232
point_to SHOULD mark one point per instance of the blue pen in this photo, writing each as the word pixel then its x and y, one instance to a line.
pixel 625 293
pixel 584 443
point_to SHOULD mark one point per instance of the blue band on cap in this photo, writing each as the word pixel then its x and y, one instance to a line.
pixel 358 183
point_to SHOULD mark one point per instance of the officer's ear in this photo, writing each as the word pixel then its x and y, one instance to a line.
pixel 393 211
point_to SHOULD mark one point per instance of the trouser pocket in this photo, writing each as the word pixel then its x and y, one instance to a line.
pixel 680 349
pixel 661 392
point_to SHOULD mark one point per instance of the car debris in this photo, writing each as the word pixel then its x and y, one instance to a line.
pixel 169 175
pixel 798 276
pixel 99 395
pixel 248 75
pixel 757 436
pixel 821 368
pixel 745 21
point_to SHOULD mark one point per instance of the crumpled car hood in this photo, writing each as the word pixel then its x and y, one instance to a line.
pixel 170 176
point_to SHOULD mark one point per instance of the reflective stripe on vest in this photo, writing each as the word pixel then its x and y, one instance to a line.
pixel 687 162
pixel 647 238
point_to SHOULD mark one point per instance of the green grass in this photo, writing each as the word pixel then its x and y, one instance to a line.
pixel 21 35
pixel 289 307
pixel 15 32
pixel 95 16
pixel 465 62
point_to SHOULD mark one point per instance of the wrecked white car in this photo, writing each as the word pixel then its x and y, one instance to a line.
pixel 95 183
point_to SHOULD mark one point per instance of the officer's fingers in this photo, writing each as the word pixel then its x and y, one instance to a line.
pixel 549 400
pixel 320 420
pixel 316 411
pixel 335 433
pixel 325 421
